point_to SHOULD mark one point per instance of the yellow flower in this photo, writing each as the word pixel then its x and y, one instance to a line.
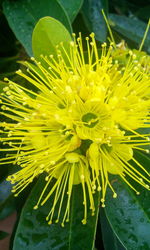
pixel 93 102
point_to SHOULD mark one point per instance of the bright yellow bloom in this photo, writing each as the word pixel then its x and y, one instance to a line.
pixel 76 102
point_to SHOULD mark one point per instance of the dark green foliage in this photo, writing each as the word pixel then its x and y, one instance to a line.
pixel 125 221
pixel 33 231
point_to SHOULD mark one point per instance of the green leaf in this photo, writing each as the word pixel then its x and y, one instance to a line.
pixel 34 233
pixel 7 207
pixel 5 190
pixel 110 239
pixel 129 214
pixel 131 28
pixel 45 38
pixel 3 235
pixel 72 7
pixel 23 15
pixel 144 131
pixel 7 203
pixel 143 13
pixel 92 14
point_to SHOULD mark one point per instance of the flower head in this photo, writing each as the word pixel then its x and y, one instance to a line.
pixel 76 102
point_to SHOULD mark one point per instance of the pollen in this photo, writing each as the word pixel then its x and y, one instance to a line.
pixel 79 125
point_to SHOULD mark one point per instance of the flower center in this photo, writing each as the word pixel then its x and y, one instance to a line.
pixel 72 157
pixel 90 120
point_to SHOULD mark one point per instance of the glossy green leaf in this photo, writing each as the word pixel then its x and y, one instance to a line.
pixel 92 14
pixel 7 207
pixel 144 131
pixel 45 38
pixel 7 204
pixel 5 190
pixel 72 7
pixel 22 16
pixel 110 239
pixel 143 13
pixel 129 214
pixel 34 233
pixel 131 28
